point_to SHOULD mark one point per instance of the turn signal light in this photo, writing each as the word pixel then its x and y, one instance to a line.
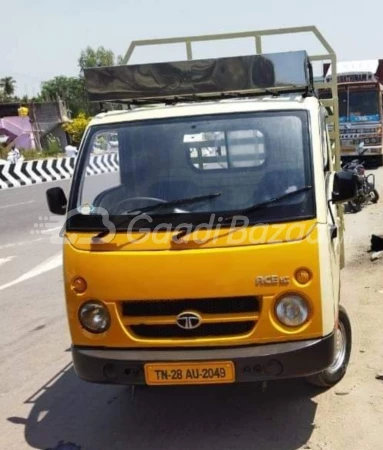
pixel 303 276
pixel 79 285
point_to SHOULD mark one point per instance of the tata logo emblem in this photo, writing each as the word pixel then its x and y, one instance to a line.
pixel 272 280
pixel 189 320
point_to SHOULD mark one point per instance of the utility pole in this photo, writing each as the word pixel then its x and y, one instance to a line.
pixel 35 127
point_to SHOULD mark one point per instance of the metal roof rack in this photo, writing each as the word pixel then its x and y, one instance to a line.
pixel 328 55
pixel 202 79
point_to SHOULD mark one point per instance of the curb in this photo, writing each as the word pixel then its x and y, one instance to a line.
pixel 27 173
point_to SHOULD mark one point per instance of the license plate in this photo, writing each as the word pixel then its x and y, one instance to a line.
pixel 190 373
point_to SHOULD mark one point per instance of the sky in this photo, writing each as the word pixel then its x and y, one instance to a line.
pixel 43 38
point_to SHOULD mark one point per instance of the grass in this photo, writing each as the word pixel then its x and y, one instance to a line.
pixel 52 149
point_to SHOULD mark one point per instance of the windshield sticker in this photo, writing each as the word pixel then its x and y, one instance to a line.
pixel 86 209
pixel 369 118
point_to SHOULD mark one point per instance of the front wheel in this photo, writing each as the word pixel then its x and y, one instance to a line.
pixel 354 207
pixel 343 342
pixel 374 195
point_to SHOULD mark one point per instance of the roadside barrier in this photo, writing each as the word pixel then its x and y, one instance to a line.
pixel 27 173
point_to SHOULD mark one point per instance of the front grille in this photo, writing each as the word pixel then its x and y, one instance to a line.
pixel 136 314
pixel 225 305
pixel 205 330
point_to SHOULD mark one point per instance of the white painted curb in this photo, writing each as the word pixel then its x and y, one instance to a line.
pixel 27 173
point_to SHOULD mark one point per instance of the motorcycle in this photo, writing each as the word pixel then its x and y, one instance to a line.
pixel 366 183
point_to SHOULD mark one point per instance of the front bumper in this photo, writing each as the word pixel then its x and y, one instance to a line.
pixel 255 363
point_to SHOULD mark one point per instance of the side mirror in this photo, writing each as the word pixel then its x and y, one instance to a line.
pixel 345 187
pixel 57 202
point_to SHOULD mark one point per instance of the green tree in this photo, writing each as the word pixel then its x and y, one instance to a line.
pixel 100 57
pixel 70 89
pixel 7 85
pixel 119 60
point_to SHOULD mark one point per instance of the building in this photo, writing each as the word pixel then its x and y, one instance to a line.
pixel 31 131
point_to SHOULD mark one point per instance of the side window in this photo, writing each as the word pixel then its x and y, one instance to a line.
pixel 102 167
pixel 246 148
pixel 207 151
pixel 329 147
pixel 225 150
pixel 105 142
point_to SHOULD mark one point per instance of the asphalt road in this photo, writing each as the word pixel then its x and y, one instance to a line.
pixel 43 403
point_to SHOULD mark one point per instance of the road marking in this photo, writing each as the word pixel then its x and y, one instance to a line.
pixel 17 169
pixel 37 185
pixel 5 260
pixel 18 204
pixel 46 266
pixel 8 176
pixel 50 230
pixel 20 244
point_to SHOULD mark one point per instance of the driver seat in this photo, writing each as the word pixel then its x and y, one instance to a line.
pixel 279 182
pixel 173 189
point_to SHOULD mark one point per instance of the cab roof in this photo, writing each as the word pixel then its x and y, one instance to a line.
pixel 161 111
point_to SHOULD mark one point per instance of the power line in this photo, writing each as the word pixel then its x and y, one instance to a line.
pixel 18 74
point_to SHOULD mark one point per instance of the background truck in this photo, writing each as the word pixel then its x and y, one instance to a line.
pixel 360 94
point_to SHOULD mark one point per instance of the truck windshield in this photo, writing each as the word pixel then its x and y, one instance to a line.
pixel 218 164
pixel 343 106
pixel 364 103
pixel 358 105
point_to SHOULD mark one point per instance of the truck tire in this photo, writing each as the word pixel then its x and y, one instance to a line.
pixel 333 374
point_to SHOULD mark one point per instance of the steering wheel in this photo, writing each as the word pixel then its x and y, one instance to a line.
pixel 127 204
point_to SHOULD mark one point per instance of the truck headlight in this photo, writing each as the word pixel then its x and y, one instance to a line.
pixel 94 317
pixel 292 310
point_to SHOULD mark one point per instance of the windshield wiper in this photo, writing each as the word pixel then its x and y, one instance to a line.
pixel 157 206
pixel 180 201
pixel 266 203
pixel 258 206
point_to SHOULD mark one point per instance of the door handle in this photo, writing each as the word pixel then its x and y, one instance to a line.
pixel 333 231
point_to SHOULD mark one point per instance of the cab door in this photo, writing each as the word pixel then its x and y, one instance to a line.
pixel 334 222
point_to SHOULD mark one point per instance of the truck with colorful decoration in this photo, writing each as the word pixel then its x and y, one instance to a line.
pixel 360 92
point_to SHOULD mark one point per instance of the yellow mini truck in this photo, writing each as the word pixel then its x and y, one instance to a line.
pixel 203 236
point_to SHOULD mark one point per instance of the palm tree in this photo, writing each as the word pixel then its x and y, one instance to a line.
pixel 7 84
